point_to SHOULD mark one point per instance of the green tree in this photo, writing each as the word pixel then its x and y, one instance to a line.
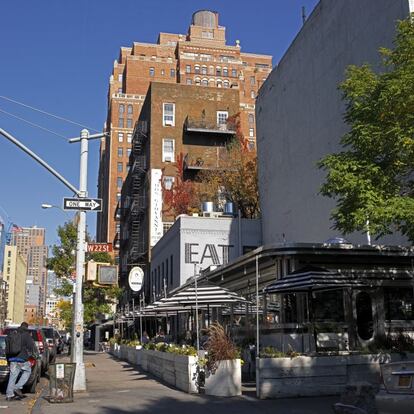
pixel 372 178
pixel 97 300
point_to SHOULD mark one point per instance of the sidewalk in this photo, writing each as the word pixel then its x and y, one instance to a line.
pixel 115 387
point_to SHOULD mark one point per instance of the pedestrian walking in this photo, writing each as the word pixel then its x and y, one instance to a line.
pixel 19 348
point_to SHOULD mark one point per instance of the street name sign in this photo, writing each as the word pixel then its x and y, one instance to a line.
pixel 89 204
pixel 99 247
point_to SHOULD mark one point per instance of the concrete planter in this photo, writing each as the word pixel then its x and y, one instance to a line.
pixel 315 376
pixel 176 370
pixel 226 380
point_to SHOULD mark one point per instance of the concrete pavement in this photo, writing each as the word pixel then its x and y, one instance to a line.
pixel 115 387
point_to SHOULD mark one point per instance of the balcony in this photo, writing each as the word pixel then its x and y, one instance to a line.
pixel 208 159
pixel 208 127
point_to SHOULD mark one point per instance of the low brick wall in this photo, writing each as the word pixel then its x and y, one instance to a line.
pixel 315 376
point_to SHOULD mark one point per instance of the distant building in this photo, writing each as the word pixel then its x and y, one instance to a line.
pixel 201 58
pixel 30 242
pixel 300 114
pixel 14 274
pixel 194 244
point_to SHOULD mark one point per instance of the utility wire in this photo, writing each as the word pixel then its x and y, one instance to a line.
pixel 47 113
pixel 33 124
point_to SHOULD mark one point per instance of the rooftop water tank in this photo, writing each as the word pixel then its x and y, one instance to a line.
pixel 205 18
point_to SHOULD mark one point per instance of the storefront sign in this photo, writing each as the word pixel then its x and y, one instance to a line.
pixel 156 227
pixel 136 278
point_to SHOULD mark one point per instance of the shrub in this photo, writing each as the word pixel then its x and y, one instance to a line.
pixel 272 352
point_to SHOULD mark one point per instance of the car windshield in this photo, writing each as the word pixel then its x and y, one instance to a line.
pixel 48 332
pixel 2 346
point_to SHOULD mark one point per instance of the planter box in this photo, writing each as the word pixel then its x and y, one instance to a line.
pixel 226 380
pixel 176 370
pixel 315 376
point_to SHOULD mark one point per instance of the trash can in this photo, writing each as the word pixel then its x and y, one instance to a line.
pixel 61 377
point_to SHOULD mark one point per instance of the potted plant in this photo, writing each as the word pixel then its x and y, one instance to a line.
pixel 222 365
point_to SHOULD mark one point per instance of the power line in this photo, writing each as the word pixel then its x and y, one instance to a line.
pixel 33 124
pixel 47 113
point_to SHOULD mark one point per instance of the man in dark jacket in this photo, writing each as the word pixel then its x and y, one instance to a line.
pixel 19 362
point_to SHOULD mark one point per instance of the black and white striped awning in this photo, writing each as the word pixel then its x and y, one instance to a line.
pixel 312 279
pixel 206 295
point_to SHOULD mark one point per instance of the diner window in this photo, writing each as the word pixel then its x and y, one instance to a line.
pixel 120 137
pixel 151 72
pixel 168 115
pixel 328 306
pixel 399 303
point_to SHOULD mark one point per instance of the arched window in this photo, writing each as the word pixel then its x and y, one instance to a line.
pixel 197 81
pixel 204 82
pixel 226 84
pixel 197 68
pixel 211 70
pixel 219 84
pixel 251 119
pixel 130 109
pixel 204 70
pixel 218 71
pixel 121 108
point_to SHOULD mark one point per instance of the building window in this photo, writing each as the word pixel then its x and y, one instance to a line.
pixel 234 73
pixel 226 84
pixel 197 81
pixel 219 84
pixel 119 90
pixel 222 117
pixel 129 137
pixel 129 123
pixel 120 151
pixel 252 80
pixel 196 69
pixel 168 182
pixel 121 108
pixel 168 150
pixel 118 196
pixel 211 70
pixel 162 72
pixel 172 73
pixel 251 145
pixel 120 166
pixel 168 114
pixel 187 68
pixel 130 109
pixel 128 151
pixel 399 303
pixel 204 70
pixel 225 72
pixel 251 119
pixel 151 72
pixel 127 168
pixel 189 81
pixel 120 137
pixel 121 123
pixel 119 182
pixel 204 82
pixel 120 77
pixel 252 94
pixel 251 132
pixel 218 71
pixel 207 34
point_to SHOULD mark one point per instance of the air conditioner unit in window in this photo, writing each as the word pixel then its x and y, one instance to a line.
pixel 168 158
pixel 168 122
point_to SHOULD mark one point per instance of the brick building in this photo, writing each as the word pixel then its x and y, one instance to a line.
pixel 200 58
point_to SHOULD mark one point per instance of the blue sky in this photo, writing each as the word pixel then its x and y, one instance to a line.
pixel 57 55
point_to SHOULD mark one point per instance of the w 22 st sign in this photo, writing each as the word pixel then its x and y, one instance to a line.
pixel 99 247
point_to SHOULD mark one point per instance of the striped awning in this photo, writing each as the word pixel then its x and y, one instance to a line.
pixel 312 279
pixel 207 295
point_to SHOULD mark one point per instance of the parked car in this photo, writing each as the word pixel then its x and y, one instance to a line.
pixel 40 342
pixel 52 338
pixel 4 368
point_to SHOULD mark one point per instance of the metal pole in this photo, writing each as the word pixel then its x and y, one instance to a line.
pixel 77 354
pixel 140 316
pixel 196 307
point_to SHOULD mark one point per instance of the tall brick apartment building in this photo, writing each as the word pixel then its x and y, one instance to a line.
pixel 200 58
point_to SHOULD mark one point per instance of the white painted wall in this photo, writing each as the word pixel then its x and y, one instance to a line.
pixel 299 113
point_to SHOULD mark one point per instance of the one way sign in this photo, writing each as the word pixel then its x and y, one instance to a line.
pixel 91 204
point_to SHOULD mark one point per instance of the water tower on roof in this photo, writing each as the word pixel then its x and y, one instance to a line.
pixel 205 18
pixel 205 27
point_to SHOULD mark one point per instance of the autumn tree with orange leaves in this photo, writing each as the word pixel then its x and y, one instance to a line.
pixel 236 178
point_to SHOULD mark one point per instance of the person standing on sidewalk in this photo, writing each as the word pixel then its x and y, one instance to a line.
pixel 19 348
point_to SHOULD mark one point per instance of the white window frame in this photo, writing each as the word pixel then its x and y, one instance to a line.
pixel 170 180
pixel 166 121
pixel 120 137
pixel 166 155
pixel 129 137
pixel 251 132
pixel 219 117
